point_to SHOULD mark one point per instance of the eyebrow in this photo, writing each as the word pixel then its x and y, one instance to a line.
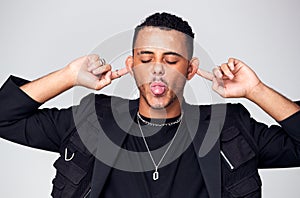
pixel 172 53
pixel 144 52
pixel 166 53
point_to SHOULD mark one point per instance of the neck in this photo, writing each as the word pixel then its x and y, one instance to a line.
pixel 173 110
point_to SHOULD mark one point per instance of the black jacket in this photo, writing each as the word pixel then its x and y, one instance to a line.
pixel 238 145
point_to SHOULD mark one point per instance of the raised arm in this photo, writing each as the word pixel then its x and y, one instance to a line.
pixel 235 79
pixel 22 121
pixel 88 71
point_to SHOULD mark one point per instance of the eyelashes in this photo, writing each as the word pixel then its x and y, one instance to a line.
pixel 171 62
pixel 168 62
pixel 146 61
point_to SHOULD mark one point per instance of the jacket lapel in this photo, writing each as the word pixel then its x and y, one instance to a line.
pixel 207 145
pixel 108 125
pixel 210 166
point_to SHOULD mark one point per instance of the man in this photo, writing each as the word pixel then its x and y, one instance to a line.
pixel 170 132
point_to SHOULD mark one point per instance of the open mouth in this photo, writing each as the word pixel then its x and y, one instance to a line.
pixel 158 88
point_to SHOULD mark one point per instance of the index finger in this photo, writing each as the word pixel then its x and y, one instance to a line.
pixel 205 74
pixel 119 73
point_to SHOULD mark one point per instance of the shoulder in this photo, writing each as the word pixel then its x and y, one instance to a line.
pixel 103 103
pixel 226 110
pixel 102 100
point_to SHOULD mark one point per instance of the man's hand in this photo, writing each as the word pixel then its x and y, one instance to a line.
pixel 89 72
pixel 233 79
pixel 86 71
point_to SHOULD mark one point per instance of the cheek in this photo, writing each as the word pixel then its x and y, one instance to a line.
pixel 184 71
pixel 140 77
pixel 179 72
pixel 177 80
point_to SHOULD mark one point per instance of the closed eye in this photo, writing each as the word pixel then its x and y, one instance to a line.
pixel 146 61
pixel 171 62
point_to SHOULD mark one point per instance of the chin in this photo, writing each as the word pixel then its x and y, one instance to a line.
pixel 159 103
pixel 158 106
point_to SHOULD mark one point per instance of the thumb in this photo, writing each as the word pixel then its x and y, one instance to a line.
pixel 101 83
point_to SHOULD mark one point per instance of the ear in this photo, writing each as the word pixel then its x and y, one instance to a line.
pixel 129 64
pixel 193 67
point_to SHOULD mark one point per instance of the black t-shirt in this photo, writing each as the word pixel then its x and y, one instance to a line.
pixel 180 178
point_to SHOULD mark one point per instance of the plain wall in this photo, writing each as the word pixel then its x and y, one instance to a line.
pixel 38 37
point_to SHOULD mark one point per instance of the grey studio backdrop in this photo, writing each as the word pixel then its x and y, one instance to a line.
pixel 38 37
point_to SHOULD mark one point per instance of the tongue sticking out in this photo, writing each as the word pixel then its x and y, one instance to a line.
pixel 158 88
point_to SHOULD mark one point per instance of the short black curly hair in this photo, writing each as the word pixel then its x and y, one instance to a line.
pixel 167 21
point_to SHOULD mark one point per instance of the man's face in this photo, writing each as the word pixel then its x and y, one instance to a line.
pixel 160 66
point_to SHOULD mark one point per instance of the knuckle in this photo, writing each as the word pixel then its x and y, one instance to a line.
pixel 97 87
pixel 107 67
pixel 97 72
pixel 224 66
pixel 94 72
pixel 95 56
pixel 215 69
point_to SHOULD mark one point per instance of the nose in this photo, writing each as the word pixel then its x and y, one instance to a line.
pixel 158 69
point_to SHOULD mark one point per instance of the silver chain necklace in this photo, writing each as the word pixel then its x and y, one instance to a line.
pixel 155 175
pixel 159 125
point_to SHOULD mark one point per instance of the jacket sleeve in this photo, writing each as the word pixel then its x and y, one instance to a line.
pixel 278 145
pixel 22 122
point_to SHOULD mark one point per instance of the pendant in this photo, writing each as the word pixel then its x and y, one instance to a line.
pixel 155 175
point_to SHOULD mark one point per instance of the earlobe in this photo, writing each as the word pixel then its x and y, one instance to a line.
pixel 193 67
pixel 129 64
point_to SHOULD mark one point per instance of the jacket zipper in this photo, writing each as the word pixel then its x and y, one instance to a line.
pixel 227 160
pixel 87 194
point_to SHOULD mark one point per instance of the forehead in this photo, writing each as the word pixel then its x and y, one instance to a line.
pixel 164 40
